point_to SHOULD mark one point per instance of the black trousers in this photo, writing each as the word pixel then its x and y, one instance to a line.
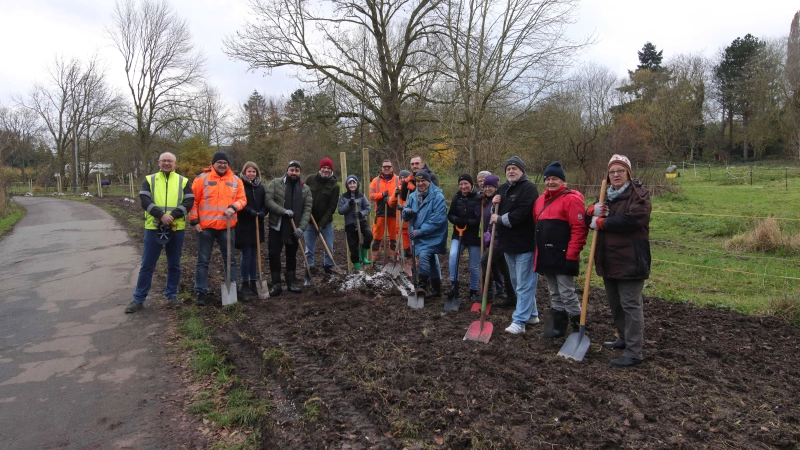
pixel 353 244
pixel 274 248
pixel 499 269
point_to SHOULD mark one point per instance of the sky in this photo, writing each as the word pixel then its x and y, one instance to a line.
pixel 34 32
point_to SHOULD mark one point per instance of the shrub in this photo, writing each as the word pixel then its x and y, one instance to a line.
pixel 765 237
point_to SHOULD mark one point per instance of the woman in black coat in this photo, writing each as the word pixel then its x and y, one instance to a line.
pixel 250 216
pixel 463 214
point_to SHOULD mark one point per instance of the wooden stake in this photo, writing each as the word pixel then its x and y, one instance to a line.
pixel 365 183
pixel 343 168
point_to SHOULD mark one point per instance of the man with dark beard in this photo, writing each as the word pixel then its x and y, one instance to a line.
pixel 287 199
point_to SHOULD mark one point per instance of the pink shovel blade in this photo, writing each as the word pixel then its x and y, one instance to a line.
pixel 477 333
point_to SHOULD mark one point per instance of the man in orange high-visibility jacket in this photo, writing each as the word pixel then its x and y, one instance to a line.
pixel 384 190
pixel 218 195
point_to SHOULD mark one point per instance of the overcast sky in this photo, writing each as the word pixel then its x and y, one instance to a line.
pixel 33 32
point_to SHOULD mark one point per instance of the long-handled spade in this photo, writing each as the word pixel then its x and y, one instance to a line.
pixel 303 251
pixel 324 244
pixel 228 287
pixel 453 301
pixel 400 268
pixel 261 284
pixel 415 300
pixel 481 330
pixel 577 344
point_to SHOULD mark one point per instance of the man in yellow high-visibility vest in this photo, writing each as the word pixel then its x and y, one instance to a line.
pixel 166 198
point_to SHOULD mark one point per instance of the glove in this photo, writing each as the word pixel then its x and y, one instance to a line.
pixel 253 212
pixel 572 268
pixel 396 192
pixel 413 234
pixel 409 213
pixel 598 210
pixel 359 214
pixel 297 233
pixel 261 214
pixel 487 238
pixel 597 223
pixel 352 202
pixel 289 213
pixel 385 194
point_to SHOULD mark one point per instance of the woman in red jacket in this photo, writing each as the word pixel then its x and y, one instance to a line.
pixel 560 236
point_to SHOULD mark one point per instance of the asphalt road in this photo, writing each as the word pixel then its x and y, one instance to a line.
pixel 75 371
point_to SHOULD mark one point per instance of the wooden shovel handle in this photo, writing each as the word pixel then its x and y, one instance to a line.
pixel 588 281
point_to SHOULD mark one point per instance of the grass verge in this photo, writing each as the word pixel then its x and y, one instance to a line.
pixel 14 213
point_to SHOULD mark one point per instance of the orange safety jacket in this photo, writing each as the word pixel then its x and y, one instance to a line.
pixel 376 188
pixel 213 194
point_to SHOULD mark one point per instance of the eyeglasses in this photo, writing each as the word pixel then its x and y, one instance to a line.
pixel 387 167
pixel 166 160
pixel 616 172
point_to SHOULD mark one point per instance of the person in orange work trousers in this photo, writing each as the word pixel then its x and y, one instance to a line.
pixel 218 195
pixel 384 191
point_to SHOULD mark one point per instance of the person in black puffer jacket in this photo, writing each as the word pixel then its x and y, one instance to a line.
pixel 250 217
pixel 325 195
pixel 462 215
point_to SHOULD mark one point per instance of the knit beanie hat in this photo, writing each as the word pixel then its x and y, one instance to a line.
pixel 294 163
pixel 623 161
pixel 516 161
pixel 555 170
pixel 423 175
pixel 404 173
pixel 484 174
pixel 220 156
pixel 326 162
pixel 466 177
pixel 491 180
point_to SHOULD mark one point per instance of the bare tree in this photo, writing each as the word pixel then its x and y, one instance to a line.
pixel 374 52
pixel 503 54
pixel 20 127
pixel 161 67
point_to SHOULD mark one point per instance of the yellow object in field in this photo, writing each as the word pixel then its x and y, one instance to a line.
pixel 670 175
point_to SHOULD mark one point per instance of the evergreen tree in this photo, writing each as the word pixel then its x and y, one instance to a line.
pixel 649 58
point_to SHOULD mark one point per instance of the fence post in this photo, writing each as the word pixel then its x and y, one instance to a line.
pixel 751 175
pixel 786 177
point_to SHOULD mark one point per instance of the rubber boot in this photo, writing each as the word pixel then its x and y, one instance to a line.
pixel 290 283
pixel 575 320
pixel 451 293
pixel 422 287
pixel 276 285
pixel 436 288
pixel 560 323
pixel 365 256
pixel 243 290
pixel 254 287
pixel 356 266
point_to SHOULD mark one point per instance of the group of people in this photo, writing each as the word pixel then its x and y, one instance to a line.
pixel 532 234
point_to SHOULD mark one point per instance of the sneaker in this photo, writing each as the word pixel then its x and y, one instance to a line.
pixel 533 320
pixel 174 303
pixel 200 298
pixel 133 307
pixel 515 328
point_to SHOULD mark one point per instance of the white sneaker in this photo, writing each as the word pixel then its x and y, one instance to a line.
pixel 533 320
pixel 515 328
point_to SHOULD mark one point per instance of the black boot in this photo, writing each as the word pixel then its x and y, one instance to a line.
pixel 474 296
pixel 575 320
pixel 290 283
pixel 436 288
pixel 510 302
pixel 422 287
pixel 560 323
pixel 200 298
pixel 452 292
pixel 618 344
pixel 243 290
pixel 276 285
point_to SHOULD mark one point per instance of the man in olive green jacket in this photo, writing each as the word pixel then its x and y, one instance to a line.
pixel 287 199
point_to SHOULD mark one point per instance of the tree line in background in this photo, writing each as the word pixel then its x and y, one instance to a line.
pixel 465 84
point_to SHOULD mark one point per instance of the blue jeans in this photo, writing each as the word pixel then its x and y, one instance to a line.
pixel 474 263
pixel 524 280
pixel 150 255
pixel 310 236
pixel 426 260
pixel 249 264
pixel 205 243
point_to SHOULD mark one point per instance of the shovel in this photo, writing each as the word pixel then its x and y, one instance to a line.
pixel 577 344
pixel 415 300
pixel 397 268
pixel 404 267
pixel 481 330
pixel 303 251
pixel 453 302
pixel 325 244
pixel 228 287
pixel 261 285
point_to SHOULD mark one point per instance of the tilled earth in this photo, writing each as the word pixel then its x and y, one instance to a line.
pixel 355 368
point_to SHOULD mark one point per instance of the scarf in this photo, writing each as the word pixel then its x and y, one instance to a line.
pixel 612 193
pixel 293 199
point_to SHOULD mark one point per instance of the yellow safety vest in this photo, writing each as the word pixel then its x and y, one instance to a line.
pixel 167 194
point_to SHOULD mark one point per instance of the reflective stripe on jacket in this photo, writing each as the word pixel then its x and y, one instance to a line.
pixel 167 194
pixel 376 188
pixel 213 194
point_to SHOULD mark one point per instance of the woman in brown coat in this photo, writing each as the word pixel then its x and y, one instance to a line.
pixel 622 256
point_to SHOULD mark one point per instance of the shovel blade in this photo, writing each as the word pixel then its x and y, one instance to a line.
pixel 479 333
pixel 228 293
pixel 263 290
pixel 416 301
pixel 387 268
pixel 476 307
pixel 452 304
pixel 576 345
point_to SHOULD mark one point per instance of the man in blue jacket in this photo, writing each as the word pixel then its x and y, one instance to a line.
pixel 515 234
pixel 426 212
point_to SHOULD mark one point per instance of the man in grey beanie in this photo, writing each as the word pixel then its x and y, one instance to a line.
pixel 515 235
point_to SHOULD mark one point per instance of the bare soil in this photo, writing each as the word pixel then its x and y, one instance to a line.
pixel 357 368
